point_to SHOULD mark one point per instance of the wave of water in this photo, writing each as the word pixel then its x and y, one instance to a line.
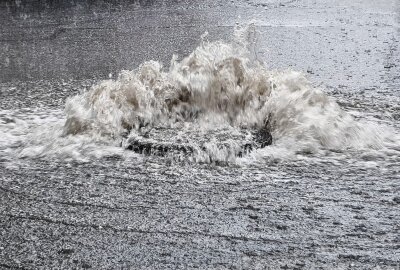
pixel 219 88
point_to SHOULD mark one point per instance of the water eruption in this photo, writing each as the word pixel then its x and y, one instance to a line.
pixel 219 90
pixel 228 156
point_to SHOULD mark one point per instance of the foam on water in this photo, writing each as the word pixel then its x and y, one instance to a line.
pixel 217 85
pixel 38 133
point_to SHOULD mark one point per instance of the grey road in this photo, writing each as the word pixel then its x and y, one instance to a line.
pixel 148 212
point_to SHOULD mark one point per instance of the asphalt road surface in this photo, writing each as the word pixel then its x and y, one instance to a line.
pixel 148 212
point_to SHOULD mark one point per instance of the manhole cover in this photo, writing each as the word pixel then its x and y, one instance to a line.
pixel 230 142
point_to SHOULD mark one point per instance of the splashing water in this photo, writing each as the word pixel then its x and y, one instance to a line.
pixel 218 88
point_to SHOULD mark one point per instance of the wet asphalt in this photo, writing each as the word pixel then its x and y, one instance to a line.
pixel 151 213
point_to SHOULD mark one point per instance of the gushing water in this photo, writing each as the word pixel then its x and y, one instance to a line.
pixel 219 88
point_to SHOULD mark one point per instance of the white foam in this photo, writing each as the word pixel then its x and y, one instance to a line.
pixel 218 84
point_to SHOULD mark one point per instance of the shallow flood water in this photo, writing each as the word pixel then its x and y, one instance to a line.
pixel 80 83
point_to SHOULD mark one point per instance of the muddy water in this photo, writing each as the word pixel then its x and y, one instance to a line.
pixel 324 194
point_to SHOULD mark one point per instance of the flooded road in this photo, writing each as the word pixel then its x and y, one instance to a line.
pixel 325 194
